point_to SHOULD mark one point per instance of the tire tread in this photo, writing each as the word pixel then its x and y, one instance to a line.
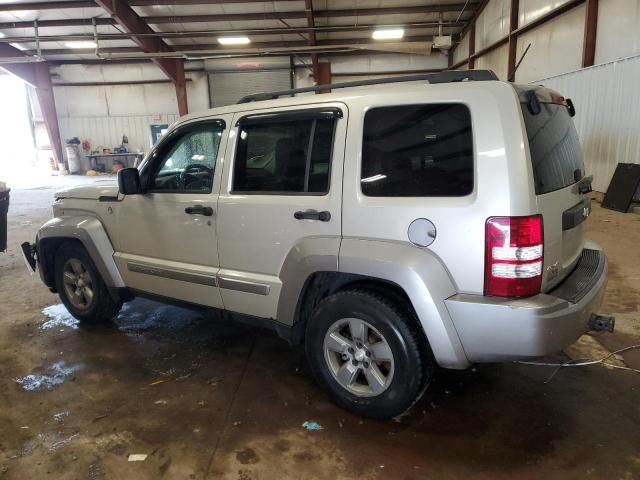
pixel 411 335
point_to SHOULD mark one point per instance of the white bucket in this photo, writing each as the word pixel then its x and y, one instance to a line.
pixel 73 159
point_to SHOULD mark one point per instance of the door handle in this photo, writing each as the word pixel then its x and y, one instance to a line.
pixel 312 215
pixel 199 210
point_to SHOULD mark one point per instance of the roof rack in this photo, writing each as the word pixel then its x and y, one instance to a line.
pixel 447 76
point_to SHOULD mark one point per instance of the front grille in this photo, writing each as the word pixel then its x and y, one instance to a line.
pixel 584 276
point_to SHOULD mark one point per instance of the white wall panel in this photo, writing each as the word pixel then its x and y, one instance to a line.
pixel 462 50
pixel 103 114
pixel 607 114
pixel 387 62
pixel 556 47
pixel 493 23
pixel 145 99
pixel 496 61
pixel 530 10
pixel 618 30
pixel 107 132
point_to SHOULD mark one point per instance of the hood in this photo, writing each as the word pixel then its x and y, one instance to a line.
pixel 105 188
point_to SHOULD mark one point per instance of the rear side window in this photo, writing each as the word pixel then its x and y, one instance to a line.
pixel 285 156
pixel 555 148
pixel 417 151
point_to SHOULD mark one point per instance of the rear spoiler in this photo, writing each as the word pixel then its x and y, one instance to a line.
pixel 533 103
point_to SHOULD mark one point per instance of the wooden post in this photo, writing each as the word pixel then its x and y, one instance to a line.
pixel 590 31
pixel 513 40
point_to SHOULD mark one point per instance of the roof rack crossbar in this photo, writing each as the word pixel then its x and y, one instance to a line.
pixel 439 77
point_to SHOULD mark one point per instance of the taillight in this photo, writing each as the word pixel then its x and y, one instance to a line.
pixel 513 256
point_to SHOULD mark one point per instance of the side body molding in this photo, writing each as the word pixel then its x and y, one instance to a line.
pixel 92 234
pixel 425 281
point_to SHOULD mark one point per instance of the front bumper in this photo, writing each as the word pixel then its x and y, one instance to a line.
pixel 495 329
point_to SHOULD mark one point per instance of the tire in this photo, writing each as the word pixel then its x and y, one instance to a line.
pixel 368 384
pixel 75 271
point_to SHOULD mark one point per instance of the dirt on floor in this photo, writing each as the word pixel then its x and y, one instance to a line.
pixel 202 397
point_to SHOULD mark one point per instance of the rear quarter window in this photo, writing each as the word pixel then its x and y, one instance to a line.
pixel 556 157
pixel 417 151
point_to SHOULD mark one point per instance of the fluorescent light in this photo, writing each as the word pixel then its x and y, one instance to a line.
pixel 234 40
pixel 80 44
pixel 388 34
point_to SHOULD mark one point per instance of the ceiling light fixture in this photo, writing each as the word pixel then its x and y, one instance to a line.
pixel 80 44
pixel 388 34
pixel 234 40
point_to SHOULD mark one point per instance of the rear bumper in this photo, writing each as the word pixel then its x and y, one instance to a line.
pixel 494 329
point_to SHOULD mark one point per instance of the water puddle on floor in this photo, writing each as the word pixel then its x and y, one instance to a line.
pixel 58 317
pixel 142 315
pixel 53 376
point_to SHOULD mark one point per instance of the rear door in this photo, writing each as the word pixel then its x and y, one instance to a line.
pixel 282 187
pixel 558 173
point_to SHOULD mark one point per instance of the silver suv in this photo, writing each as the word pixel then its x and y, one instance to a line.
pixel 427 221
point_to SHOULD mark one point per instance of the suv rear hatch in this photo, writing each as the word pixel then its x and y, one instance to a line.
pixel 560 183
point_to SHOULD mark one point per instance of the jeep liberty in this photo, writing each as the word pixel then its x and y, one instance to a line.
pixel 433 222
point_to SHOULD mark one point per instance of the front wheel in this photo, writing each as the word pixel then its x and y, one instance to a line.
pixel 80 286
pixel 366 350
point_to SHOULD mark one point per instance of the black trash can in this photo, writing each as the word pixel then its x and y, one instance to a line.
pixel 4 208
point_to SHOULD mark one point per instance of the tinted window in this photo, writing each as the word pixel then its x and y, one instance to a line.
pixel 554 146
pixel 190 161
pixel 286 155
pixel 417 151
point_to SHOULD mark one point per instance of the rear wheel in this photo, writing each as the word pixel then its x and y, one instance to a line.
pixel 80 286
pixel 366 350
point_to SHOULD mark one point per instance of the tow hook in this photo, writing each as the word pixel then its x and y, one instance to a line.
pixel 601 323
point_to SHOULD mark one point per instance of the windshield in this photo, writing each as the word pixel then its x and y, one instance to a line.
pixel 555 147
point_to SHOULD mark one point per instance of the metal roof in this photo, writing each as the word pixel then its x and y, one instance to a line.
pixel 191 27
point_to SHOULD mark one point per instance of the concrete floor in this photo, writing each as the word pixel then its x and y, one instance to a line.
pixel 205 398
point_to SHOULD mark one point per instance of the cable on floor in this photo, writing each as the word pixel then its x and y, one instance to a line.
pixel 583 363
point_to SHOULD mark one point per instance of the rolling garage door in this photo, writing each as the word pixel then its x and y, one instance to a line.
pixel 227 88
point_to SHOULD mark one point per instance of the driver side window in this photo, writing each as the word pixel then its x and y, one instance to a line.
pixel 190 162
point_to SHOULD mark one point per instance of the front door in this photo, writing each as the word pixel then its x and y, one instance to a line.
pixel 166 243
pixel 280 194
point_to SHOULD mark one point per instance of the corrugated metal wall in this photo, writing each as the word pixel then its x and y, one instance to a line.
pixel 226 88
pixel 607 114
pixel 107 131
pixel 556 47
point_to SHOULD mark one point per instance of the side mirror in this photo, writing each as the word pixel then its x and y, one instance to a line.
pixel 129 181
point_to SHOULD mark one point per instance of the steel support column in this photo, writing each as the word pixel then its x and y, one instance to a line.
pixel 46 99
pixel 513 40
pixel 37 75
pixel 472 46
pixel 590 31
